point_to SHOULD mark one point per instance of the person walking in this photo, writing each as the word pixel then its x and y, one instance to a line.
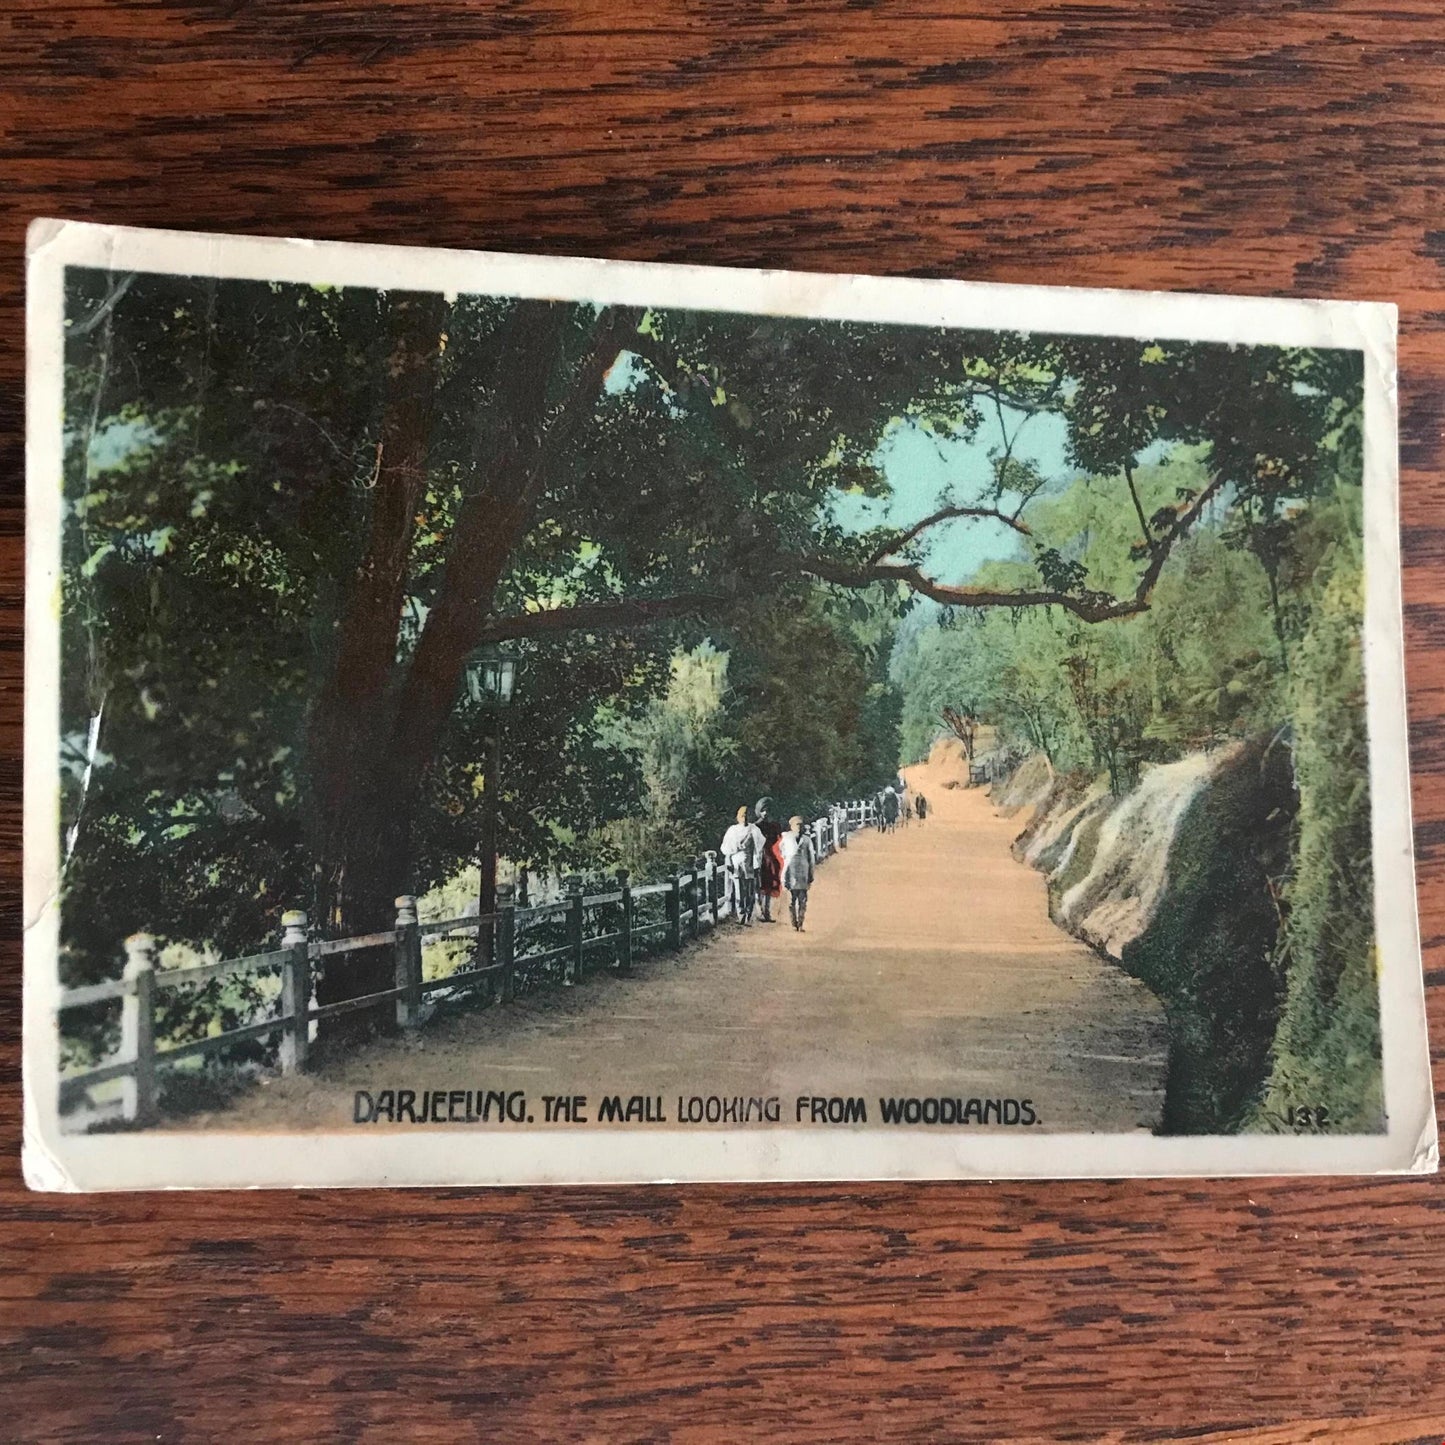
pixel 890 810
pixel 920 806
pixel 799 867
pixel 770 870
pixel 742 851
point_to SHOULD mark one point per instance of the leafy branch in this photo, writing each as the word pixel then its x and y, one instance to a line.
pixel 1062 581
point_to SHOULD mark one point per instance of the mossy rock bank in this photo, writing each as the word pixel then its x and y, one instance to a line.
pixel 1209 948
pixel 1178 881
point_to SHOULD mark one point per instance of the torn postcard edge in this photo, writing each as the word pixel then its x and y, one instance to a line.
pixel 495 719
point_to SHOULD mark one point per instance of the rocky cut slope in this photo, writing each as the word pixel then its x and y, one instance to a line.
pixel 1178 881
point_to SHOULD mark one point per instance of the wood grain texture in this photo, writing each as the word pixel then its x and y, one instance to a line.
pixel 1283 148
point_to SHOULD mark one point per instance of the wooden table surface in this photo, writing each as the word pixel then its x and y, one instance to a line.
pixel 1282 148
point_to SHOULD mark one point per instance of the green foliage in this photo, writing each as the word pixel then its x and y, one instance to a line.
pixel 1264 955
pixel 799 681
pixel 798 708
pixel 1327 1052
pixel 1212 665
pixel 677 740
pixel 995 664
pixel 1197 667
pixel 225 475
pixel 265 483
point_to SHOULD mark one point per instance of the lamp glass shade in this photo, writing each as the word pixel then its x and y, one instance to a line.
pixel 491 676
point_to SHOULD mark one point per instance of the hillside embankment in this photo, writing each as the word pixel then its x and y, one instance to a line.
pixel 1178 881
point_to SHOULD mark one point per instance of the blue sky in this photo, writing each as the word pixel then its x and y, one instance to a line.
pixel 921 468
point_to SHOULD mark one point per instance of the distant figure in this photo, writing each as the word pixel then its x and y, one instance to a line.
pixel 770 870
pixel 742 851
pixel 920 806
pixel 890 810
pixel 799 866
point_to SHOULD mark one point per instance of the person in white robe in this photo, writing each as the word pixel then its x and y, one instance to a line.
pixel 742 851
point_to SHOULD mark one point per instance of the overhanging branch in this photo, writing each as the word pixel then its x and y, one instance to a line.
pixel 945 514
pixel 1088 606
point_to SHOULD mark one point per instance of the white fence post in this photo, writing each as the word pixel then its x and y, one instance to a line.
pixel 408 963
pixel 138 1030
pixel 506 935
pixel 624 951
pixel 695 922
pixel 295 992
pixel 674 911
pixel 575 970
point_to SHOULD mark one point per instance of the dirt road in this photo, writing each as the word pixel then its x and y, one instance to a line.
pixel 929 967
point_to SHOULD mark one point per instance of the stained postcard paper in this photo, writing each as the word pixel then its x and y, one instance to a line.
pixel 495 719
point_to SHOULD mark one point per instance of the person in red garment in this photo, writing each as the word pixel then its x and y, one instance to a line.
pixel 770 875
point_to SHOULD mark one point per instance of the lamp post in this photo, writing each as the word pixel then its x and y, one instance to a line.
pixel 491 675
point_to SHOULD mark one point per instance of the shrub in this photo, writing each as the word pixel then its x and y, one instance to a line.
pixel 1327 1049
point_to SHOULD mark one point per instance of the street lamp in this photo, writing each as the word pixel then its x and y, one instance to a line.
pixel 491 674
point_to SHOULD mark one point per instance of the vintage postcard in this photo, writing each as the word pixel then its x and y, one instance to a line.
pixel 493 719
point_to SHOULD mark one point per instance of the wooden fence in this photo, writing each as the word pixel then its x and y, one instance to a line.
pixel 692 899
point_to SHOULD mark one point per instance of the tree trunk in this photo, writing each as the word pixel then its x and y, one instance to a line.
pixel 360 821
pixel 377 726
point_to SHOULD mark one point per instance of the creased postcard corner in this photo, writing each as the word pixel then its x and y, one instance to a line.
pixel 44 1173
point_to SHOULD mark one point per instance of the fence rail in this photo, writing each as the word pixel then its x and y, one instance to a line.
pixel 694 898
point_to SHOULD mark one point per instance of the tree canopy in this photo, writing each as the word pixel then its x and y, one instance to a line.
pixel 293 512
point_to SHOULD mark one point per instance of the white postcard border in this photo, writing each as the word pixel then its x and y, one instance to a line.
pixel 163 1159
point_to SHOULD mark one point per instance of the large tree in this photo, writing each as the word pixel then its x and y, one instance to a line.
pixel 294 512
